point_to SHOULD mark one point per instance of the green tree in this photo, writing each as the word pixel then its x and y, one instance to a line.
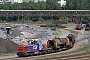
pixel 77 4
pixel 51 4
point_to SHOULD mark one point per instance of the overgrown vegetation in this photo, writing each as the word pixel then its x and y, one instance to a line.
pixel 57 33
pixel 84 48
pixel 48 5
pixel 77 5
pixel 8 54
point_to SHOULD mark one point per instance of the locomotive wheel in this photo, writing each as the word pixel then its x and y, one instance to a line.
pixel 26 54
pixel 71 45
pixel 52 51
pixel 44 52
pixel 58 50
pixel 30 54
pixel 48 52
pixel 40 53
pixel 19 54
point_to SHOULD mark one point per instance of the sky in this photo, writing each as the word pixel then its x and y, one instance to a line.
pixel 62 2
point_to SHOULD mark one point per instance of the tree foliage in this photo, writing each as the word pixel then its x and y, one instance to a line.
pixel 48 5
pixel 77 4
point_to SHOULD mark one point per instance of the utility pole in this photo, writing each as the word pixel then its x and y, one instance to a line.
pixel 22 17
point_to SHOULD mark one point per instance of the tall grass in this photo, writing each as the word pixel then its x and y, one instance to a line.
pixel 57 33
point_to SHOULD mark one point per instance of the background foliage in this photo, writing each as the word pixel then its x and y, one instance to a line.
pixel 48 5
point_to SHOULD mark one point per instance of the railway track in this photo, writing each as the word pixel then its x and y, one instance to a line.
pixel 81 56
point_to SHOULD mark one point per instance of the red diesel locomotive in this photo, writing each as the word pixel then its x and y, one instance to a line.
pixel 79 26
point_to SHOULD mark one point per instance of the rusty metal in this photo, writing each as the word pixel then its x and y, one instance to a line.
pixel 59 43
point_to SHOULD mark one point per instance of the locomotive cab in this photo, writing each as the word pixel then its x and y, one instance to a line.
pixel 23 51
pixel 79 27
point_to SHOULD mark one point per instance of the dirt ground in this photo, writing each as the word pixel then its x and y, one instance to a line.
pixel 77 45
pixel 64 33
pixel 7 46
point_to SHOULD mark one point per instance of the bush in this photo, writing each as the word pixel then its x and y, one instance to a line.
pixel 58 22
pixel 41 20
